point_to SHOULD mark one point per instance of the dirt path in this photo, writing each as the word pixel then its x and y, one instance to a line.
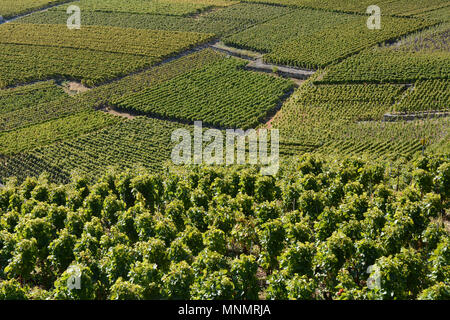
pixel 240 53
pixel 256 63
pixel 289 72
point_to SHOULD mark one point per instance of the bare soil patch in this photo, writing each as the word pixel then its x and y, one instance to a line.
pixel 262 277
pixel 117 113
pixel 73 88
pixel 392 117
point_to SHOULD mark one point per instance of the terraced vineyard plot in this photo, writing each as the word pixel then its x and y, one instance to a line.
pixel 321 106
pixel 434 39
pixel 398 7
pixel 333 5
pixel 314 39
pixel 249 13
pixel 442 14
pixel 90 60
pixel 420 56
pixel 63 128
pixel 341 136
pixel 152 43
pixel 22 64
pixel 298 23
pixel 354 93
pixel 219 22
pixel 388 140
pixel 101 96
pixel 221 94
pixel 426 96
pixel 408 7
pixel 104 94
pixel 25 165
pixel 11 8
pixel 43 112
pixel 381 66
pixel 27 96
pixel 344 119
pixel 335 44
pixel 162 7
pixel 139 142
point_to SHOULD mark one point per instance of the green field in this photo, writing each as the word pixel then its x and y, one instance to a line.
pixel 356 205
pixel 161 7
pixel 11 8
pixel 390 66
pixel 60 129
pixel 122 144
pixel 397 7
pixel 314 39
pixel 420 56
pixel 221 95
pixel 345 119
pixel 27 96
pixel 221 22
pixel 441 14
pixel 41 112
pixel 428 95
pixel 193 234
pixel 30 52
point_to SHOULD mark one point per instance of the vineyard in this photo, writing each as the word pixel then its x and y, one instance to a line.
pixel 221 95
pixel 161 7
pixel 442 14
pixel 62 128
pixel 11 8
pixel 113 146
pixel 91 55
pixel 226 21
pixel 88 180
pixel 434 39
pixel 153 44
pixel 310 233
pixel 426 96
pixel 314 39
pixel 422 56
pixel 345 119
pixel 397 7
pixel 27 96
pixel 40 113
pixel 390 66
